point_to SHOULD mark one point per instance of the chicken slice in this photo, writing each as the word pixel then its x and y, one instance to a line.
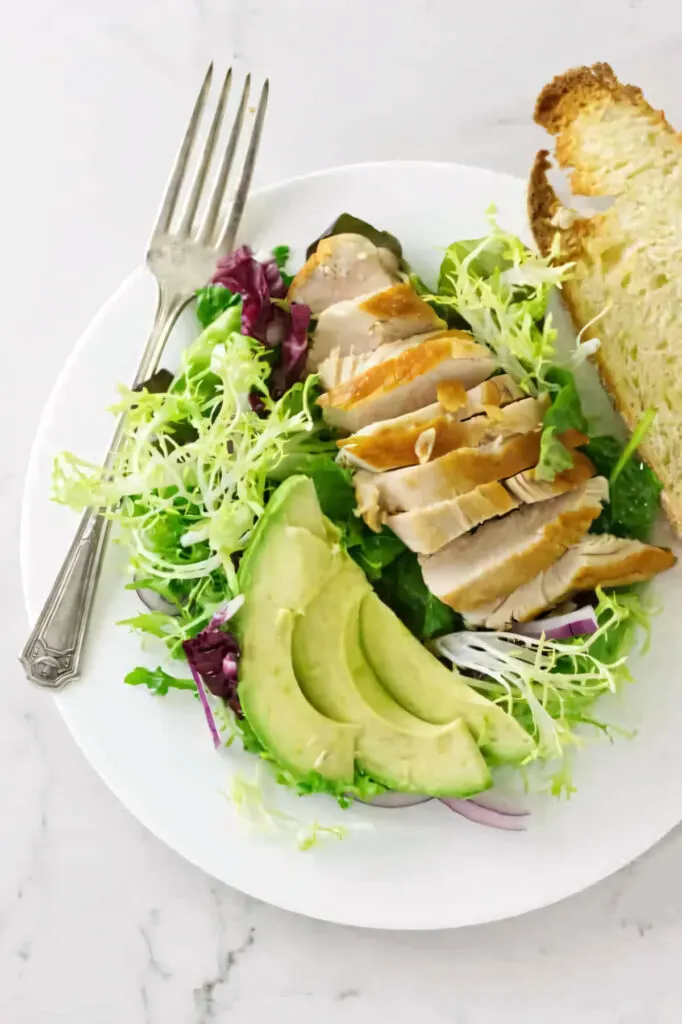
pixel 502 555
pixel 407 381
pixel 401 442
pixel 426 530
pixel 598 560
pixel 343 267
pixel 528 489
pixel 404 490
pixel 364 323
pixel 337 369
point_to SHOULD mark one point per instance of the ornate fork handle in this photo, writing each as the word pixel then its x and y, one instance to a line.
pixel 52 653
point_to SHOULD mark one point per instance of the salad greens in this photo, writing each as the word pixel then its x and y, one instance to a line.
pixel 550 686
pixel 501 289
pixel 634 488
pixel 207 446
pixel 186 510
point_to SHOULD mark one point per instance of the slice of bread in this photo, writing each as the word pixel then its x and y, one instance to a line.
pixel 628 259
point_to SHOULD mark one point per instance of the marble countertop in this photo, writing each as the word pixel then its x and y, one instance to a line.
pixel 99 922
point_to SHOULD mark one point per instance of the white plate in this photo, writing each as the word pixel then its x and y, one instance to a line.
pixel 421 867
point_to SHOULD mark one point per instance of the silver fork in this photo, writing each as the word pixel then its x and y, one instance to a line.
pixel 182 259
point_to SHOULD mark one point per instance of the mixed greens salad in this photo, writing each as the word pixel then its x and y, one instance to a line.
pixel 208 446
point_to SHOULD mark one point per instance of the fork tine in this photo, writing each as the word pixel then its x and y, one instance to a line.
pixel 227 239
pixel 208 227
pixel 180 166
pixel 202 170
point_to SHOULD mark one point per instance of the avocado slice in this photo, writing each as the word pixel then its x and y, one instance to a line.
pixel 289 559
pixel 394 746
pixel 424 687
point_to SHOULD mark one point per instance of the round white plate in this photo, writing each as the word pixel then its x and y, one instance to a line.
pixel 420 867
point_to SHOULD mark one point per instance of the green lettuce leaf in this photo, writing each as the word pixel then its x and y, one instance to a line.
pixel 213 300
pixel 501 289
pixel 158 681
pixel 281 254
pixel 564 413
pixel 401 586
pixel 555 457
pixel 634 491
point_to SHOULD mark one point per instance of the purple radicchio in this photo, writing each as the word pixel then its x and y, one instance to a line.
pixel 259 283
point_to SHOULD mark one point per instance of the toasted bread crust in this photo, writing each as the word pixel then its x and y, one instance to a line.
pixel 583 88
pixel 581 108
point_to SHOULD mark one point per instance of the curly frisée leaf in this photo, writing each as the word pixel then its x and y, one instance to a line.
pixel 550 686
pixel 501 288
pixel 185 510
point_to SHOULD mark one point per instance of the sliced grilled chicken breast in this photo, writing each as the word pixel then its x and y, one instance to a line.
pixel 598 560
pixel 426 530
pixel 343 267
pixel 403 490
pixel 528 489
pixel 368 321
pixel 415 439
pixel 408 381
pixel 338 369
pixel 500 556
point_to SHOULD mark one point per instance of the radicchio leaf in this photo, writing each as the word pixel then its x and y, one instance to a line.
pixel 214 655
pixel 272 323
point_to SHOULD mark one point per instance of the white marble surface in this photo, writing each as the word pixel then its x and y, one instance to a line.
pixel 99 922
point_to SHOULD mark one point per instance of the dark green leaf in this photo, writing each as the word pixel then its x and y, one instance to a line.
pixel 212 301
pixel 157 384
pixel 374 551
pixel 158 681
pixel 403 589
pixel 634 495
pixel 346 223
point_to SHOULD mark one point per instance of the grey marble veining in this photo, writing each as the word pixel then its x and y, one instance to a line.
pixel 99 922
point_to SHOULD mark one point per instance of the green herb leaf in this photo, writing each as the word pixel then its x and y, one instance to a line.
pixel 555 457
pixel 213 300
pixel 634 493
pixel 158 681
pixel 565 412
pixel 401 586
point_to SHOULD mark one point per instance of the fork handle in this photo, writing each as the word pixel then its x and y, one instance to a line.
pixel 51 657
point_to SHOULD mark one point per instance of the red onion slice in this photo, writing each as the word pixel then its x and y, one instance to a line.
pixel 475 811
pixel 395 800
pixel 217 742
pixel 580 622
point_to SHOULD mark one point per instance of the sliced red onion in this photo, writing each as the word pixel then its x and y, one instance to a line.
pixel 155 602
pixel 493 800
pixel 475 811
pixel 395 800
pixel 224 614
pixel 206 706
pixel 580 622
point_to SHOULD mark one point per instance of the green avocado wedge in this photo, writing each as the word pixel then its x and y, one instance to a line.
pixel 392 745
pixel 286 565
pixel 419 683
